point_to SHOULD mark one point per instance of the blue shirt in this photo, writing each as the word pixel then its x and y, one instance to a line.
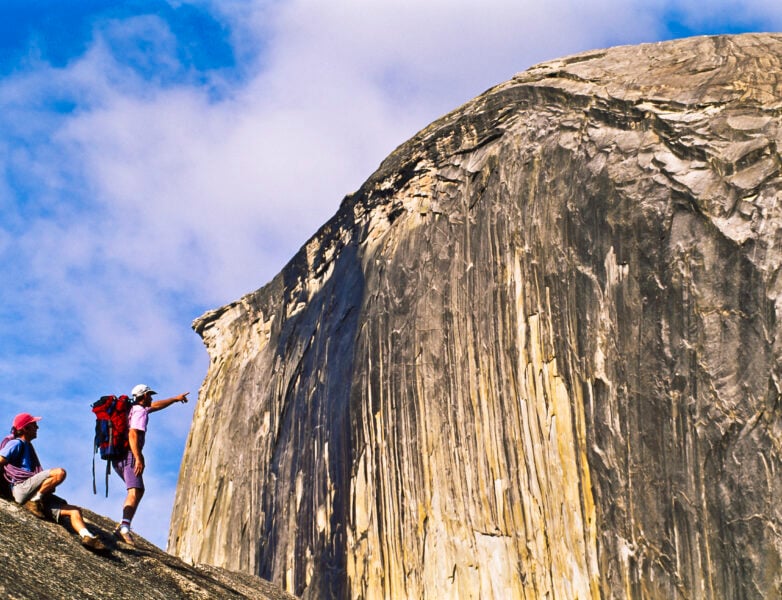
pixel 20 454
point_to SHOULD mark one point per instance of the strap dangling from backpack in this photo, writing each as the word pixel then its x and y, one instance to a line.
pixel 94 451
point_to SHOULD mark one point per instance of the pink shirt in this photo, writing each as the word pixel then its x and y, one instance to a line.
pixel 138 417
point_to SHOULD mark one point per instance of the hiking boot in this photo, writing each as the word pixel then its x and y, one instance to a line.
pixel 92 543
pixel 35 507
pixel 125 535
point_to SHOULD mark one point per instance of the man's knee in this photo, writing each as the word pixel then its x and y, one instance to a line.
pixel 58 474
pixel 134 495
pixel 68 510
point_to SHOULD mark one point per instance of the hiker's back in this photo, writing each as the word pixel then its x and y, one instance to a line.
pixel 5 487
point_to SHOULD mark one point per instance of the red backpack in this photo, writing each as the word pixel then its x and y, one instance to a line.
pixel 111 432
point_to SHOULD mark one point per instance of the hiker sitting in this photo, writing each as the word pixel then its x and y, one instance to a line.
pixel 32 486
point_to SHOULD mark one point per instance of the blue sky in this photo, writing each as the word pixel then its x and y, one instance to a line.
pixel 162 158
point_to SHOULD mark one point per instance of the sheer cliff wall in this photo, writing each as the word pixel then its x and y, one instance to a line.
pixel 535 355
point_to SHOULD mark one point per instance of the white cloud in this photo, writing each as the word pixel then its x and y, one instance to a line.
pixel 214 184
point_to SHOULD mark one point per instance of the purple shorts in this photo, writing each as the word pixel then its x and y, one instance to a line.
pixel 124 469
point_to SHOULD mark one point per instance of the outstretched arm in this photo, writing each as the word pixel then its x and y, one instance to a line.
pixel 161 404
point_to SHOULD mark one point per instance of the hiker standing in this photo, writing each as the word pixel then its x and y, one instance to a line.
pixel 131 467
pixel 32 486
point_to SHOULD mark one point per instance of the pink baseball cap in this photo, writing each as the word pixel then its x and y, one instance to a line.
pixel 22 420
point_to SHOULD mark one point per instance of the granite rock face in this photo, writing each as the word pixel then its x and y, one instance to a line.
pixel 537 354
pixel 41 560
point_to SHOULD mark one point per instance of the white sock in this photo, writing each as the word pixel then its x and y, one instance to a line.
pixel 85 533
pixel 36 497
